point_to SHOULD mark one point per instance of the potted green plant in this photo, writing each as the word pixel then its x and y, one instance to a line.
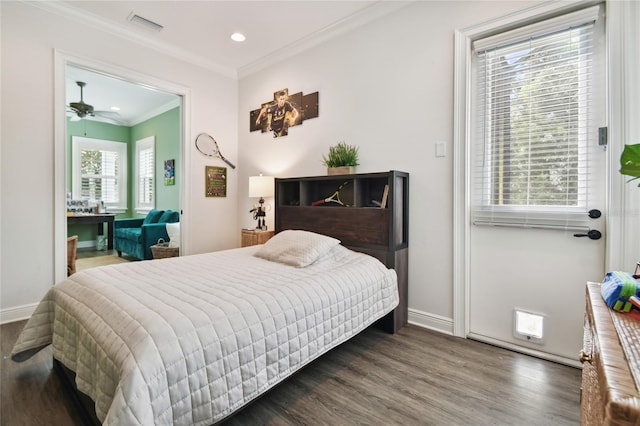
pixel 342 159
pixel 630 161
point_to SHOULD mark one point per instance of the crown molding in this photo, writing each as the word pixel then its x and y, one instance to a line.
pixel 351 22
pixel 155 112
pixel 120 30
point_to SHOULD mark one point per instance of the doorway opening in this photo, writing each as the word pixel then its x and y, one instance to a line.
pixel 125 107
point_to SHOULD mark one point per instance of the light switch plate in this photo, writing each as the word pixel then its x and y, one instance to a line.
pixel 441 149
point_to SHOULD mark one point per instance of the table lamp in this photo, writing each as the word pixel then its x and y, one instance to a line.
pixel 260 186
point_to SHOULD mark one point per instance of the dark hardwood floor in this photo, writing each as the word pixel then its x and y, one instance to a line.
pixel 415 377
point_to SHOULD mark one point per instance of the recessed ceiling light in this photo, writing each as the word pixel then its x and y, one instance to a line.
pixel 115 108
pixel 239 37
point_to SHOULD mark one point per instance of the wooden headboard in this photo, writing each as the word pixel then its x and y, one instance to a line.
pixel 374 219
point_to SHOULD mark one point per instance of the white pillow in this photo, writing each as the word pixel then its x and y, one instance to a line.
pixel 173 229
pixel 296 248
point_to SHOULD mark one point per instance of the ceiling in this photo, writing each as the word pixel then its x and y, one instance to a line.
pixel 199 32
pixel 136 103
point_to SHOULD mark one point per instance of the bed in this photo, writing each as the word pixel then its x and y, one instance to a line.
pixel 190 340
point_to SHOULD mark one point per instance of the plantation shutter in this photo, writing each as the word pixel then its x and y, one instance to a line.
pixel 99 171
pixel 145 173
pixel 99 175
pixel 533 125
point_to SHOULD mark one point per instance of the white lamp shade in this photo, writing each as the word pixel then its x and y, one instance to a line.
pixel 261 186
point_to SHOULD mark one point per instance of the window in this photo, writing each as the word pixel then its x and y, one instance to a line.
pixel 99 171
pixel 534 123
pixel 145 174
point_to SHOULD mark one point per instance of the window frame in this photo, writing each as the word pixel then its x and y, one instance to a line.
pixel 143 145
pixel 78 144
pixel 483 210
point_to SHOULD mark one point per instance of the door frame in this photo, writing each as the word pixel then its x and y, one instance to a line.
pixel 61 60
pixel 615 200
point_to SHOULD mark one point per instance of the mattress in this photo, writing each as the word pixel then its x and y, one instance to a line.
pixel 189 340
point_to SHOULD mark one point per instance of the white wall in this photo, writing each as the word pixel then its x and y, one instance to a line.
pixel 388 88
pixel 29 37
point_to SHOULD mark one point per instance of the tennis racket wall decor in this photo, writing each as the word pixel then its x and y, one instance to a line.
pixel 208 146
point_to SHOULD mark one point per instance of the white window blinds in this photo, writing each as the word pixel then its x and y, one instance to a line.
pixel 533 125
pixel 145 173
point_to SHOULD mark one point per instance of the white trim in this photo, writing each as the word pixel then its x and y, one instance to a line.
pixel 61 60
pixel 527 351
pixel 579 17
pixel 121 30
pixel 154 112
pixel 623 245
pixel 87 244
pixel 431 321
pixel 461 198
pixel 359 18
pixel 18 313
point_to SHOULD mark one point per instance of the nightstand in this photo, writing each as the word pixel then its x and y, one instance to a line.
pixel 253 237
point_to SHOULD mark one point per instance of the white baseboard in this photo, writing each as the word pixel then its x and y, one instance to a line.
pixel 17 313
pixel 445 325
pixel 431 321
pixel 87 244
pixel 527 351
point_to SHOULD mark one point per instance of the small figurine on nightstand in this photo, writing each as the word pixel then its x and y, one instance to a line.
pixel 259 213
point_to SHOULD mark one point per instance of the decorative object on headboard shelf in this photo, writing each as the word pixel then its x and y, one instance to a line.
pixel 342 159
pixel 283 112
pixel 333 198
pixel 260 187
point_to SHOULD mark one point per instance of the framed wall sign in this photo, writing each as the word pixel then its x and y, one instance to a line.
pixel 215 181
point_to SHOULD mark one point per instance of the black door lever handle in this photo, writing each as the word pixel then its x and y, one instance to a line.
pixel 592 234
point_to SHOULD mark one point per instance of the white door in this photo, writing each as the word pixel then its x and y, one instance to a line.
pixel 537 169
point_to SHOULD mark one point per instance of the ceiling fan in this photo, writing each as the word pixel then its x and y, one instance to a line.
pixel 83 109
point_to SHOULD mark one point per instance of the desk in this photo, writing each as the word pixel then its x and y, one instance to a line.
pixel 83 219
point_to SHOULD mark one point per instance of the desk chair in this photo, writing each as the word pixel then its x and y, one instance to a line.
pixel 72 250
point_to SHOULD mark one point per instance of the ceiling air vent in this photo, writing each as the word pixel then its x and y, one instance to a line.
pixel 144 22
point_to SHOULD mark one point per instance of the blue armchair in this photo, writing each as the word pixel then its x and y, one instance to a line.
pixel 136 236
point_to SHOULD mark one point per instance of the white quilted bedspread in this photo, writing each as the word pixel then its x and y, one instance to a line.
pixel 189 340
